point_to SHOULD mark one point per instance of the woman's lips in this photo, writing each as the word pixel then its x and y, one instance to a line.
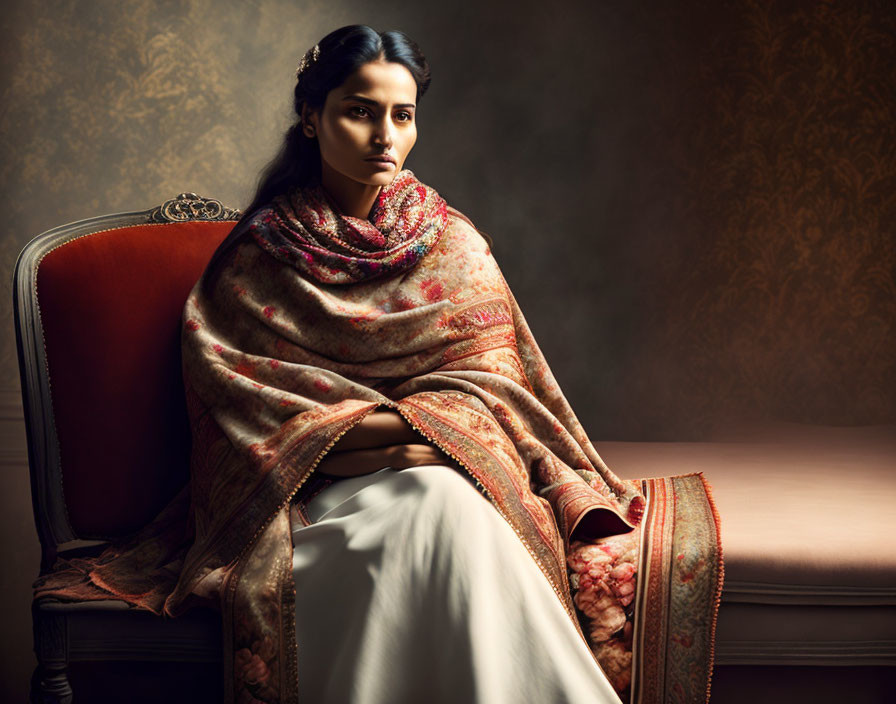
pixel 381 162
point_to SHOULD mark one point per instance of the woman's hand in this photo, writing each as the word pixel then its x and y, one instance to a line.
pixel 379 429
pixel 415 454
pixel 352 463
pixel 383 439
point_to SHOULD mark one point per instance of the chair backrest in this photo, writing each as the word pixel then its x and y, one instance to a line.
pixel 98 308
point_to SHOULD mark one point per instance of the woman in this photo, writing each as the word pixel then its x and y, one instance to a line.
pixel 364 392
pixel 387 484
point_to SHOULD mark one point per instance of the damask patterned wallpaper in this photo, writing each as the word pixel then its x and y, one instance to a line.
pixel 775 292
pixel 704 189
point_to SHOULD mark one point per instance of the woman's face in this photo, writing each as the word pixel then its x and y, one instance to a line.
pixel 371 114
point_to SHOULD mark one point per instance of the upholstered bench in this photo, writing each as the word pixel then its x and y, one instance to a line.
pixel 808 527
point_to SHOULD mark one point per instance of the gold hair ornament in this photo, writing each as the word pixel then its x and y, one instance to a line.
pixel 311 56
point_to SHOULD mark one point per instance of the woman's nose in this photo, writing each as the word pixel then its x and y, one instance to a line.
pixel 383 133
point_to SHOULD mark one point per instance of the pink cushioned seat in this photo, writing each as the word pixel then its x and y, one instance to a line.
pixel 808 516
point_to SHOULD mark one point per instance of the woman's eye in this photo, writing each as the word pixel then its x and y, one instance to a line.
pixel 403 116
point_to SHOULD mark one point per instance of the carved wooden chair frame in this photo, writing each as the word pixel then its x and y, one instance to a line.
pixel 57 624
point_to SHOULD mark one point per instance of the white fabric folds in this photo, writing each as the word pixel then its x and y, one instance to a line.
pixel 411 587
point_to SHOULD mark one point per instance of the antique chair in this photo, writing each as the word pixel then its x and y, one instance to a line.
pixel 97 315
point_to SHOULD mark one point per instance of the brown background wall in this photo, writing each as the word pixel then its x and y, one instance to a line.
pixel 693 201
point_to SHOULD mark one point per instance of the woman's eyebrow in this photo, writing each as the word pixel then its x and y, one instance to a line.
pixel 369 101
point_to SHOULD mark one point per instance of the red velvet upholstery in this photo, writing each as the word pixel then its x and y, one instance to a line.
pixel 110 307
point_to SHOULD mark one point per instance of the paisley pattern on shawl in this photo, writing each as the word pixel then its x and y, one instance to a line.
pixel 306 230
pixel 316 319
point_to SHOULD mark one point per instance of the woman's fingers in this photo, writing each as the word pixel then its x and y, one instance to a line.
pixel 355 462
pixel 415 454
pixel 379 428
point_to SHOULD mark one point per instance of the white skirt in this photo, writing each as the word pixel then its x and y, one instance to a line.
pixel 411 587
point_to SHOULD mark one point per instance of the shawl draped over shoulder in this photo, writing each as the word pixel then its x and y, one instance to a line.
pixel 319 318
pixel 315 319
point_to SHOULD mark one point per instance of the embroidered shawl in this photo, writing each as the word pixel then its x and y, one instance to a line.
pixel 314 320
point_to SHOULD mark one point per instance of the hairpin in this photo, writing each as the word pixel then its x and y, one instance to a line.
pixel 314 53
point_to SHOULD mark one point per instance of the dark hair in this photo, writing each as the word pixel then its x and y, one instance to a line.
pixel 341 53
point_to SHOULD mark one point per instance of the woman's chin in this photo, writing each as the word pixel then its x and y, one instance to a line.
pixel 383 178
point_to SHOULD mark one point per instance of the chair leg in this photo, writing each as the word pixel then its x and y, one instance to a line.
pixel 49 685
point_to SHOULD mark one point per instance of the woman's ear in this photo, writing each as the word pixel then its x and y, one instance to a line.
pixel 309 119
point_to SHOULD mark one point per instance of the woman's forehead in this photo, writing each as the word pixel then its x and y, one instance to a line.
pixel 382 81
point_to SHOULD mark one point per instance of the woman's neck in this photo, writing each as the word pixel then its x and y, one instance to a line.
pixel 351 197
